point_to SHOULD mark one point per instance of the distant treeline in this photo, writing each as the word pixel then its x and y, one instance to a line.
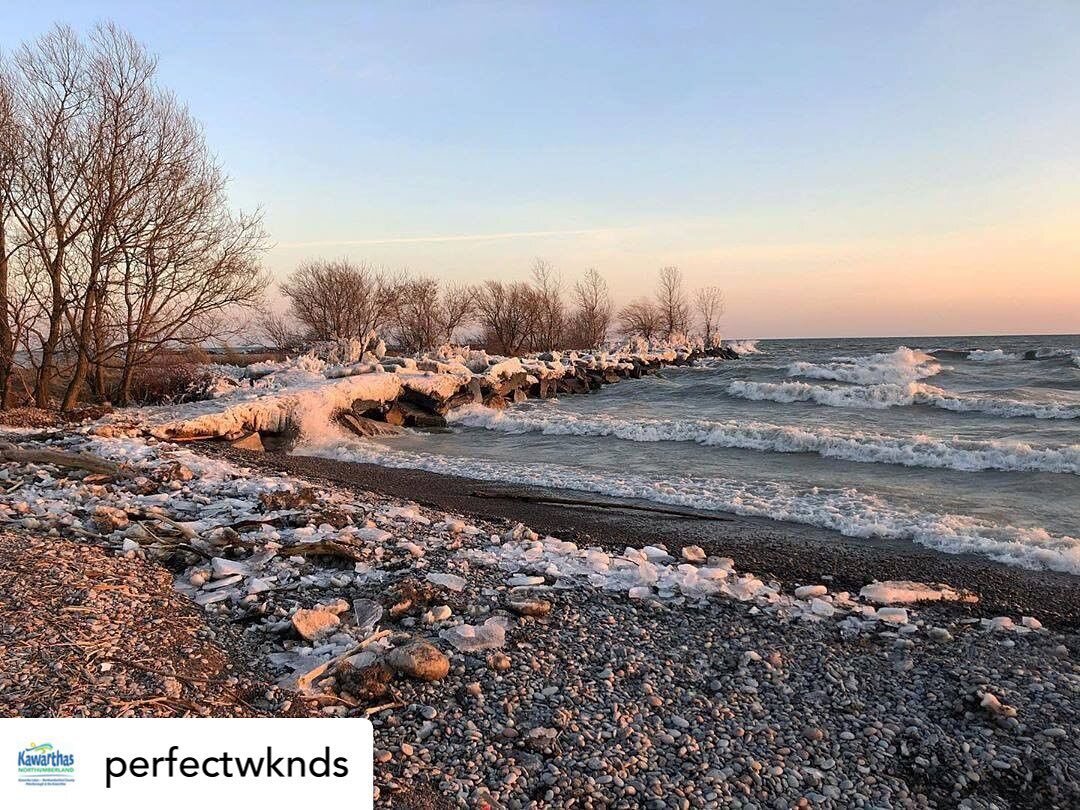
pixel 336 299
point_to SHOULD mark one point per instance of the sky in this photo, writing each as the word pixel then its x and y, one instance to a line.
pixel 838 168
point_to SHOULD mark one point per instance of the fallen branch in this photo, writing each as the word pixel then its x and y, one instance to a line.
pixel 58 458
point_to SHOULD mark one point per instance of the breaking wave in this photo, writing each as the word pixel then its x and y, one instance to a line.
pixel 744 347
pixel 848 511
pixel 1054 353
pixel 889 395
pixel 900 366
pixel 917 451
pixel 993 356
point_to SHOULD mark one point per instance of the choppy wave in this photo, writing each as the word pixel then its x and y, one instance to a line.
pixel 900 366
pixel 917 451
pixel 848 511
pixel 743 346
pixel 993 356
pixel 889 395
pixel 1052 352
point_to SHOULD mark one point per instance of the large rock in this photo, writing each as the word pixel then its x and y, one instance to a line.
pixel 249 441
pixel 470 394
pixel 311 624
pixel 410 415
pixel 367 428
pixel 367 407
pixel 529 606
pixel 519 379
pixel 419 660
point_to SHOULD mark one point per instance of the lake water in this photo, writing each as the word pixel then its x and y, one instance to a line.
pixel 959 443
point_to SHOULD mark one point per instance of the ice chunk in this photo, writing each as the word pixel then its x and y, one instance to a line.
pixel 451 581
pixel 892 615
pixel 694 554
pixel 808 591
pixel 226 568
pixel 373 535
pixel 472 638
pixel 1002 623
pixel 656 553
pixel 519 581
pixel 903 592
pixel 367 612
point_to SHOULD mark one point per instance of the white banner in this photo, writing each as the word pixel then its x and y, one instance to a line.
pixel 160 764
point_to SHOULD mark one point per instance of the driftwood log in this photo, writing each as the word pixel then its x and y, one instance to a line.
pixel 59 458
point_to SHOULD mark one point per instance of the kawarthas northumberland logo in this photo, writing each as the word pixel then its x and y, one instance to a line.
pixel 44 765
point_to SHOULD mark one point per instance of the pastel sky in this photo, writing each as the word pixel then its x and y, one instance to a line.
pixel 839 168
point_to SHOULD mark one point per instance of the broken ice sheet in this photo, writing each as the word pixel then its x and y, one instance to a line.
pixel 490 635
pixel 367 613
pixel 451 581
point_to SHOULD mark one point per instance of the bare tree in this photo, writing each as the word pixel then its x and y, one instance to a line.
pixel 426 316
pixel 130 146
pixel 671 302
pixel 113 215
pixel 709 303
pixel 547 311
pixel 340 298
pixel 505 312
pixel 459 309
pixel 280 331
pixel 641 318
pixel 49 199
pixel 9 138
pixel 592 311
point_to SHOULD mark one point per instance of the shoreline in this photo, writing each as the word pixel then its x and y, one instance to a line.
pixel 791 552
pixel 504 670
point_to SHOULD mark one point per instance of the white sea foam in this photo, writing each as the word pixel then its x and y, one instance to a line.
pixel 1050 352
pixel 900 366
pixel 849 511
pixel 909 451
pixel 893 395
pixel 744 346
pixel 993 356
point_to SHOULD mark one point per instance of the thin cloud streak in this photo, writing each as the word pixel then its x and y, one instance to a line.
pixel 472 237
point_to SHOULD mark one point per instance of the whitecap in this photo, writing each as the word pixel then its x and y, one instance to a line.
pixel 848 511
pixel 858 446
pixel 892 395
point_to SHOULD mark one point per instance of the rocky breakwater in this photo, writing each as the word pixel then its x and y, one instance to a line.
pixel 273 404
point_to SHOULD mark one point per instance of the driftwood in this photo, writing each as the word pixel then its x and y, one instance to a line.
pixel 58 458
pixel 326 548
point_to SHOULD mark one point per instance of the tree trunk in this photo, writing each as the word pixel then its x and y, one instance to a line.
pixel 7 342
